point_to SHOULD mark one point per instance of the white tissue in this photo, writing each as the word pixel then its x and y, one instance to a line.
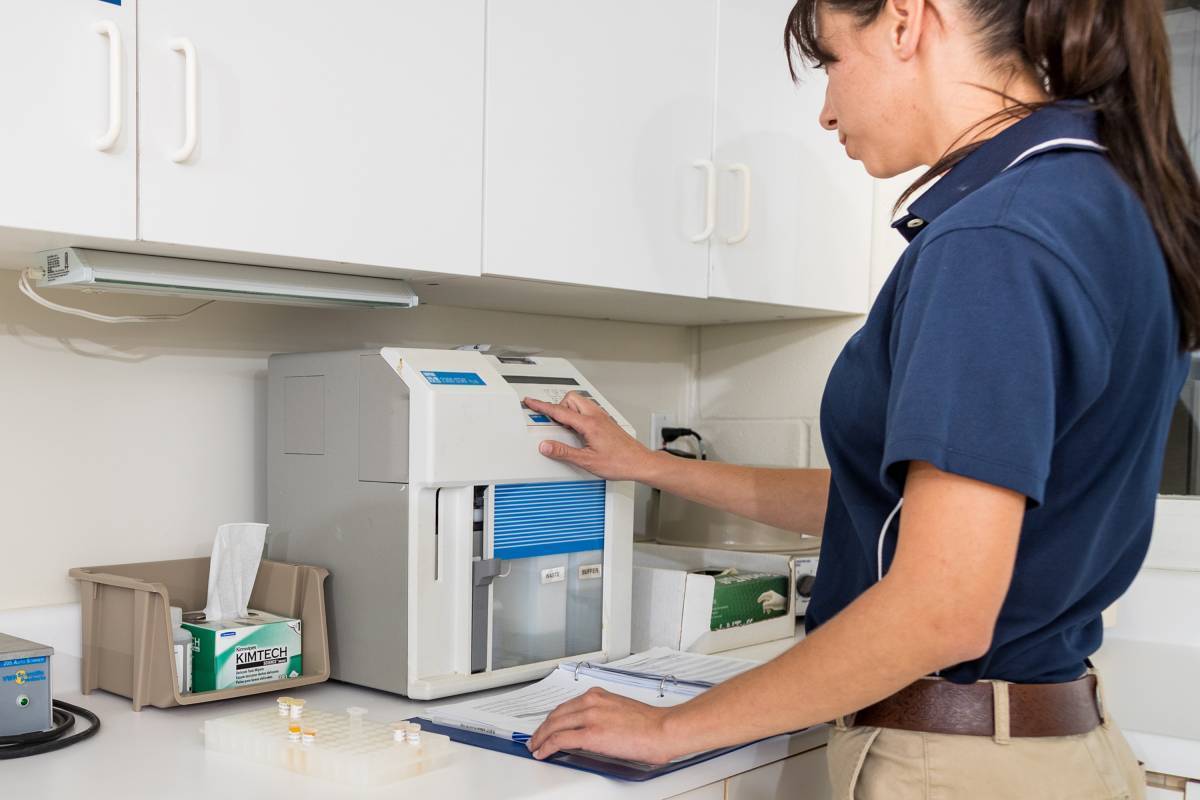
pixel 236 552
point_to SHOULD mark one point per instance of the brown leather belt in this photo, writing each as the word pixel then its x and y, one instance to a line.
pixel 1035 709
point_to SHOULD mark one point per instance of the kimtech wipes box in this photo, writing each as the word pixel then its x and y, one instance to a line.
pixel 258 648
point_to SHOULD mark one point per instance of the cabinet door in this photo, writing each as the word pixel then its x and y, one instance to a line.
pixel 714 791
pixel 595 114
pixel 807 237
pixel 350 131
pixel 66 161
pixel 802 777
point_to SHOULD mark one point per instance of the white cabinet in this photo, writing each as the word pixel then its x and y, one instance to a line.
pixel 713 791
pixel 602 124
pixel 801 777
pixel 67 143
pixel 595 115
pixel 343 132
pixel 806 241
pixel 607 179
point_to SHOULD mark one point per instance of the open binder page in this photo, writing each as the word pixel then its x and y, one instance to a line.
pixel 690 667
pixel 517 714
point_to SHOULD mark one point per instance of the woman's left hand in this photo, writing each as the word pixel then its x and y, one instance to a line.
pixel 608 724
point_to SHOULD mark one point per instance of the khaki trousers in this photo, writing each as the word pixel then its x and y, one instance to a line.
pixel 882 763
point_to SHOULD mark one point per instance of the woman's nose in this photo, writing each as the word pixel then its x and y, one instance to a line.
pixel 828 116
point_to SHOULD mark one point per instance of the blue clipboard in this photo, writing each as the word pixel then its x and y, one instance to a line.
pixel 575 759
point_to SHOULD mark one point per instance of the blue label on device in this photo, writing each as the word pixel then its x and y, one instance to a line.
pixel 453 378
pixel 114 2
pixel 21 662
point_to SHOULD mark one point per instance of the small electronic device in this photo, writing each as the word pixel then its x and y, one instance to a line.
pixel 804 578
pixel 25 701
pixel 460 558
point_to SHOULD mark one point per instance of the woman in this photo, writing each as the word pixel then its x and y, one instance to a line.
pixel 1010 389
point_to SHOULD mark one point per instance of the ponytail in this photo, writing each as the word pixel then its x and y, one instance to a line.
pixel 1112 53
pixel 1116 54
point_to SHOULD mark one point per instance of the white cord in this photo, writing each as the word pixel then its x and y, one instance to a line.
pixel 882 534
pixel 27 290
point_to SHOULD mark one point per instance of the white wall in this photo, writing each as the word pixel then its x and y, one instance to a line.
pixel 760 384
pixel 133 442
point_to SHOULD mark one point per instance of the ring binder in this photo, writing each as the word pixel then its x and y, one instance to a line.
pixel 658 677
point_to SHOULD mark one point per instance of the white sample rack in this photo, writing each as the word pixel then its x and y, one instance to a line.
pixel 346 748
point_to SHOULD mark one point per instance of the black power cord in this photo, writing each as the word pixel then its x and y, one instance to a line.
pixel 32 744
pixel 671 434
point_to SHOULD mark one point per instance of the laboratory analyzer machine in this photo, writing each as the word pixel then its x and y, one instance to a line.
pixel 460 558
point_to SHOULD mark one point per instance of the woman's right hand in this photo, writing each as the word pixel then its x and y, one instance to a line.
pixel 608 452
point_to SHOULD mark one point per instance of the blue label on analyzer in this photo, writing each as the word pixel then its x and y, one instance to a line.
pixel 453 378
pixel 22 662
pixel 114 2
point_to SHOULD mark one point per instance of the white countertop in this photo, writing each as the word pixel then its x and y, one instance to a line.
pixel 160 753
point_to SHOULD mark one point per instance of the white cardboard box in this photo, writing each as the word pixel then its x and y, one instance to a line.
pixel 672 607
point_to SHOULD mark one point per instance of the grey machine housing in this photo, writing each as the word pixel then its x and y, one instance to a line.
pixel 25 699
pixel 351 488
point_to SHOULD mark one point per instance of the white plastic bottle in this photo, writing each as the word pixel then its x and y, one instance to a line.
pixel 182 641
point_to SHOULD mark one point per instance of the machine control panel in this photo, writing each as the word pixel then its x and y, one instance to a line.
pixel 549 389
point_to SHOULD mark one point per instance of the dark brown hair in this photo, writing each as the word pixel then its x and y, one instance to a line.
pixel 1112 53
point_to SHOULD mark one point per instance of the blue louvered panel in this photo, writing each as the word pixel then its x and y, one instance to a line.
pixel 541 519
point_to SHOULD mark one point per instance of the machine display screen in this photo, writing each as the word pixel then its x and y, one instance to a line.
pixel 439 378
pixel 541 379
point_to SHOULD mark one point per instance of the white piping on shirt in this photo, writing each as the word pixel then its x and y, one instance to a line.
pixel 1088 143
pixel 882 535
pixel 879 550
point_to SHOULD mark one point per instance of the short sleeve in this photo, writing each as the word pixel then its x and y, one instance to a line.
pixel 995 346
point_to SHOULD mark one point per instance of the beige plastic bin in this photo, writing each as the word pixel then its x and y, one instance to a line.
pixel 127 647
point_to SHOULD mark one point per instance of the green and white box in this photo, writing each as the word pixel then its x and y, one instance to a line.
pixel 258 648
pixel 743 598
pixel 675 606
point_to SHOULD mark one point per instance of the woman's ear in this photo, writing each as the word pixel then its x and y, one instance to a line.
pixel 905 21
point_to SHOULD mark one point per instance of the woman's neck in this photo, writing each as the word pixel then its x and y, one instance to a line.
pixel 968 110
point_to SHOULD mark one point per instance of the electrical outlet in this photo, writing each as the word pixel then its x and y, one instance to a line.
pixel 658 421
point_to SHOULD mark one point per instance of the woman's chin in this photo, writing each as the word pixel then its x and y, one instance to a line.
pixel 878 169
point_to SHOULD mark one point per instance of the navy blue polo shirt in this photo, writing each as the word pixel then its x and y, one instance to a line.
pixel 1027 338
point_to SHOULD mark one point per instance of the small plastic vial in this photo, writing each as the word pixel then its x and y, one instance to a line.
pixel 284 705
pixel 294 732
pixel 356 714
pixel 309 735
pixel 399 731
pixel 297 707
pixel 414 734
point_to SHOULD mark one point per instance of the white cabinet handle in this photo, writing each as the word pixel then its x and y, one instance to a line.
pixel 710 198
pixel 110 29
pixel 744 171
pixel 185 46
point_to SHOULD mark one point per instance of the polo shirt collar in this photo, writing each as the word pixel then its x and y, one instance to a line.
pixel 1069 124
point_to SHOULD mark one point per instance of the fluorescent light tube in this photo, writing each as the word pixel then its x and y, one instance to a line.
pixel 134 273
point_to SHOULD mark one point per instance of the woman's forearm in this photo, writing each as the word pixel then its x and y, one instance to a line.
pixel 936 606
pixel 792 499
pixel 869 651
